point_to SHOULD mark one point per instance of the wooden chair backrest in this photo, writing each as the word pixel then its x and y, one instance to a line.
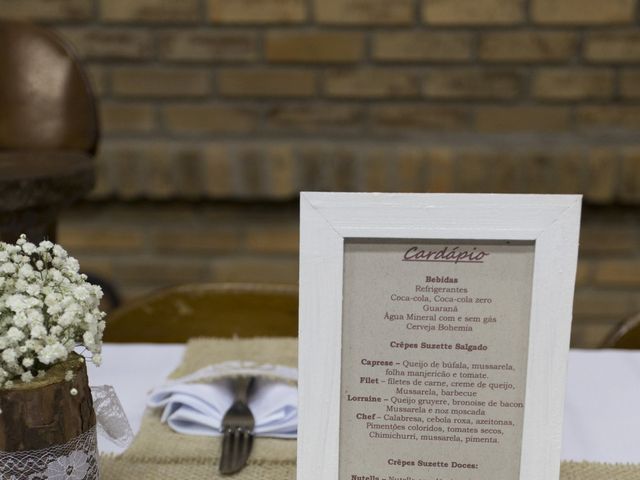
pixel 177 314
pixel 626 335
pixel 45 98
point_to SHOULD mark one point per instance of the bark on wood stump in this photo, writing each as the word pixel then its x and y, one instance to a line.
pixel 45 412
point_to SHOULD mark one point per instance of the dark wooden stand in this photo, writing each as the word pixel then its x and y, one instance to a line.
pixel 35 186
pixel 43 413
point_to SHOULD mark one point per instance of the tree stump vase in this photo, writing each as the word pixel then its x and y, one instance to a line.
pixel 48 427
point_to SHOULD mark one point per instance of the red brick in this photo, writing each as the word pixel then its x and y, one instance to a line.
pixel 568 171
pixel 376 168
pixel 140 169
pixel 205 46
pixel 420 118
pixel 110 43
pixel 410 170
pixel 118 117
pixel 527 46
pixel 367 82
pixel 97 238
pixel 281 167
pixel 257 11
pixel 218 173
pixel 364 12
pixel 160 82
pixel 196 240
pixel 473 12
pixel 572 84
pixel 536 168
pixel 103 185
pixel 584 273
pixel 472 171
pixel 591 335
pixel 630 175
pixel 46 10
pixel 440 171
pixel 473 83
pixel 314 47
pixel 583 12
pixel 522 119
pixel 166 271
pixel 608 239
pixel 600 303
pixel 315 117
pixel 630 84
pixel 266 172
pixel 189 171
pixel 612 46
pixel 146 11
pixel 618 273
pixel 262 82
pixel 326 166
pixel 602 176
pixel 190 119
pixel 271 239
pixel 248 269
pixel 609 117
pixel 421 46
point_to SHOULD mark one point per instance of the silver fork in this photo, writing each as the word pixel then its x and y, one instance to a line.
pixel 237 425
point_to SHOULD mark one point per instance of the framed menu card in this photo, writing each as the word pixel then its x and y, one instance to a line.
pixel 434 332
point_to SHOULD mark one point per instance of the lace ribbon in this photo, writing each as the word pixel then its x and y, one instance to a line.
pixel 75 460
pixel 236 368
pixel 111 420
pixel 78 458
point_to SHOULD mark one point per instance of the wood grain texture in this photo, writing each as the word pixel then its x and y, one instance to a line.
pixel 45 413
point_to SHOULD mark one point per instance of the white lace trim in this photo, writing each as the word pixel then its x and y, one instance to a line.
pixel 75 460
pixel 111 420
pixel 235 368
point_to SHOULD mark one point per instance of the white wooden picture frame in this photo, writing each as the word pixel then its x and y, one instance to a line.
pixel 550 222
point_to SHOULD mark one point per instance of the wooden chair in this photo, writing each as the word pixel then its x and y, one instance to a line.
pixel 176 314
pixel 626 335
pixel 48 130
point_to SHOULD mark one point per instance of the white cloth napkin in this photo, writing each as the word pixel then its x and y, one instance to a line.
pixel 198 408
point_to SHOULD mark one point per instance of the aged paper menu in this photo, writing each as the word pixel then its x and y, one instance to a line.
pixel 434 359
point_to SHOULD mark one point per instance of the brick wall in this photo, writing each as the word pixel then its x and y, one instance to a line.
pixel 216 113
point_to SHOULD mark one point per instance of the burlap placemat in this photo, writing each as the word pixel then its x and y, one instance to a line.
pixel 159 453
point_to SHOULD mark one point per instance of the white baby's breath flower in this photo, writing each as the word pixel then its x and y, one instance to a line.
pixel 8 268
pixel 53 353
pixel 46 245
pixel 9 355
pixel 58 251
pixel 89 340
pixel 38 331
pixel 26 377
pixel 28 248
pixel 15 335
pixel 47 308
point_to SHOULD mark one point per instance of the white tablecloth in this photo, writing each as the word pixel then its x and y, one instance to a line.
pixel 601 424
